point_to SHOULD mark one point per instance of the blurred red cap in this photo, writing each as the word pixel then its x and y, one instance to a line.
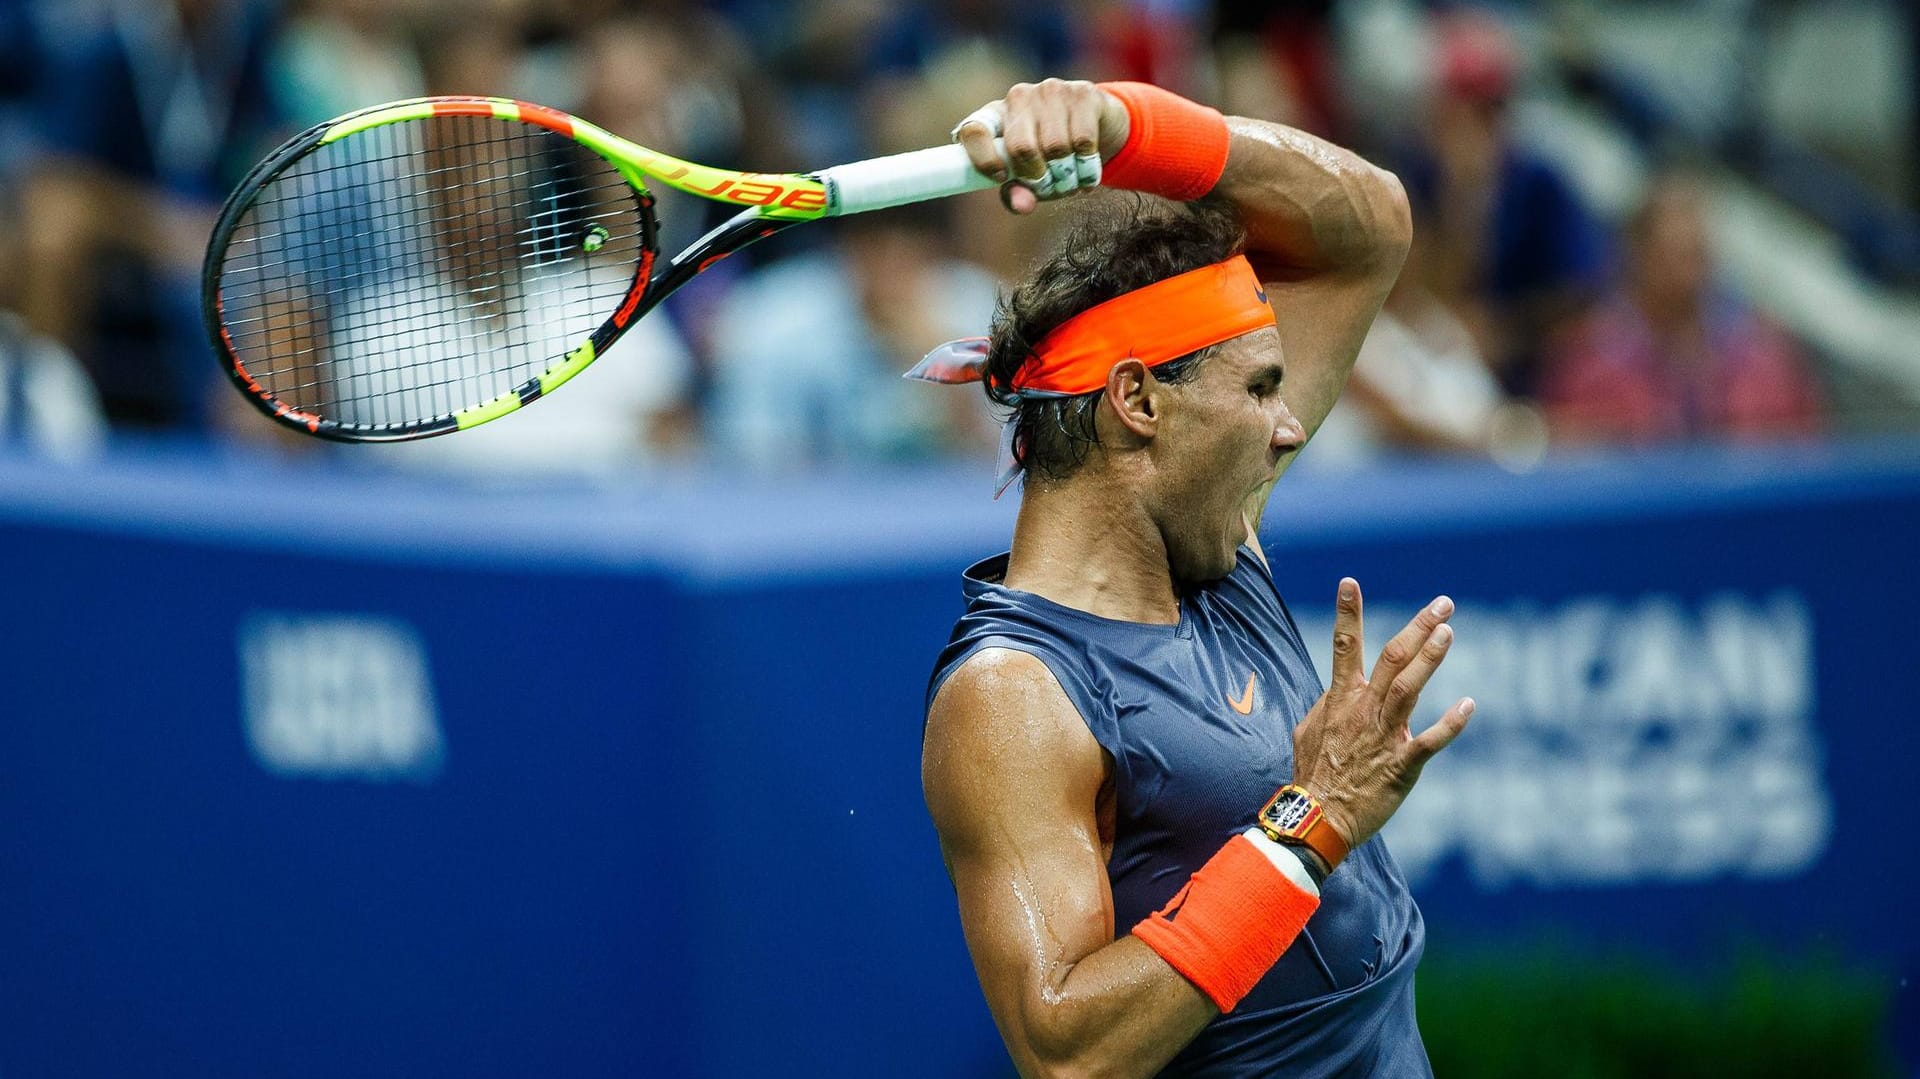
pixel 1476 56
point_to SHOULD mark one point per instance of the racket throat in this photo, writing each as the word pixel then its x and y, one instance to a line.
pixel 746 227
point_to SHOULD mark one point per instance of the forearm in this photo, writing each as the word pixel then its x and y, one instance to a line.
pixel 1120 1011
pixel 1311 208
pixel 1127 1008
pixel 1328 233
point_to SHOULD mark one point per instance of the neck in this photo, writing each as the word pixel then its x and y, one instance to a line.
pixel 1080 547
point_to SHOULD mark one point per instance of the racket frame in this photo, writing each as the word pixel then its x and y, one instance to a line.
pixel 770 202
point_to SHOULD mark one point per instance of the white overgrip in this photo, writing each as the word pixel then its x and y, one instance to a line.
pixel 916 176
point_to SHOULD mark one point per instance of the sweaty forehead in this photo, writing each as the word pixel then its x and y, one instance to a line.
pixel 1250 351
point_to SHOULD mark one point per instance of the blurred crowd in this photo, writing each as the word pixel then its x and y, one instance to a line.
pixel 1525 318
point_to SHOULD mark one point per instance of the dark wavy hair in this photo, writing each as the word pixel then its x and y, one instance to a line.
pixel 1121 243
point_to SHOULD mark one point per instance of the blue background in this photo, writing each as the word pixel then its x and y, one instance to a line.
pixel 677 828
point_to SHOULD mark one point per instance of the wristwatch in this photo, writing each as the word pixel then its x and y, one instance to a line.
pixel 1293 817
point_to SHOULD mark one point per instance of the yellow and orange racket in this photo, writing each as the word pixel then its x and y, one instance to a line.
pixel 422 267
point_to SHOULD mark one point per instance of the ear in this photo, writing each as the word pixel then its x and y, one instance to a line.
pixel 1131 394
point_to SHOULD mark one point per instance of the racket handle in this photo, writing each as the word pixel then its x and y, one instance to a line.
pixel 916 176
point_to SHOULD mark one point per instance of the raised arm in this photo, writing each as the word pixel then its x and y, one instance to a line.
pixel 1328 233
pixel 1326 230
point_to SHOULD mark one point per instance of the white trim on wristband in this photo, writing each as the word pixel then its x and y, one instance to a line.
pixel 1287 862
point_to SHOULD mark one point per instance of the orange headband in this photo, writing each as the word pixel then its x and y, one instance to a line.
pixel 1163 321
pixel 1160 322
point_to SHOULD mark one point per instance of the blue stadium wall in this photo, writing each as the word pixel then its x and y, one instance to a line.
pixel 313 772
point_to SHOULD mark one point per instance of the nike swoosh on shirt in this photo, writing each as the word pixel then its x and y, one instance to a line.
pixel 1244 705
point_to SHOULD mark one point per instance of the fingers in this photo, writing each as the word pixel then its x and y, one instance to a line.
pixel 976 133
pixel 1083 135
pixel 1348 637
pixel 1022 136
pixel 1052 133
pixel 1405 689
pixel 1056 140
pixel 1439 736
pixel 1407 643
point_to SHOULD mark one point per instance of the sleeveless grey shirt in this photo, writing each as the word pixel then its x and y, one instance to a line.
pixel 1198 718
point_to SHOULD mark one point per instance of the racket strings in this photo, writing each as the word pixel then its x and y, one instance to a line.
pixel 414 269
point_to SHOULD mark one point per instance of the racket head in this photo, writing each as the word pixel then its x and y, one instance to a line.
pixel 422 267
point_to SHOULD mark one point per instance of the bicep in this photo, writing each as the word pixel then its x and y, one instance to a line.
pixel 1012 779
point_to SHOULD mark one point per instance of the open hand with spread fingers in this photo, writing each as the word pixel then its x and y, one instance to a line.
pixel 1354 751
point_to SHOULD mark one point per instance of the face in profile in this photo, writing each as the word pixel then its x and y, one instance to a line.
pixel 1222 436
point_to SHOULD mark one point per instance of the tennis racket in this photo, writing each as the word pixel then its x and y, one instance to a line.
pixel 423 267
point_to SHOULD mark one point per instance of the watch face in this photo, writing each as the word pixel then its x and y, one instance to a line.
pixel 1289 811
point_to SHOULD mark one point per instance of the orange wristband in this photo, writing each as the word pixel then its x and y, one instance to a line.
pixel 1175 148
pixel 1229 924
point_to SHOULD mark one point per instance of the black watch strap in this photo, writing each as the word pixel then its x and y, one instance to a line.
pixel 1310 860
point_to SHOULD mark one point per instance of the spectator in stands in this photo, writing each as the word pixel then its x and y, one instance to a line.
pixel 617 416
pixel 333 56
pixel 809 351
pixel 151 111
pixel 1515 254
pixel 835 61
pixel 1421 385
pixel 47 403
pixel 914 34
pixel 679 87
pixel 1276 60
pixel 1668 356
pixel 909 112
pixel 639 77
pixel 817 55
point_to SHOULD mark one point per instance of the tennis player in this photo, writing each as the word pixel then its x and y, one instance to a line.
pixel 1160 826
